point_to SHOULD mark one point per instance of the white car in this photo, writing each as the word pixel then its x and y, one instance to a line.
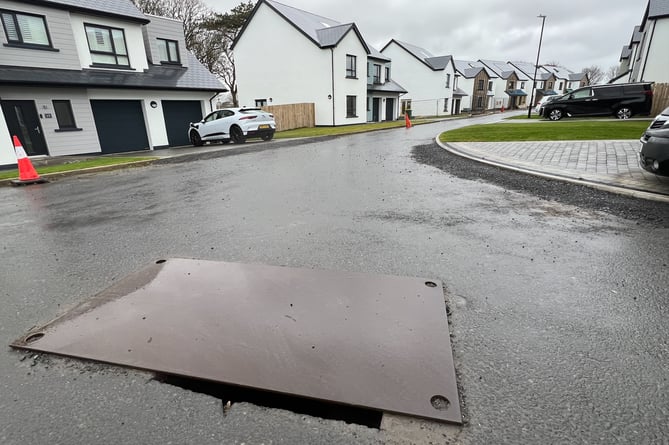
pixel 232 124
pixel 545 100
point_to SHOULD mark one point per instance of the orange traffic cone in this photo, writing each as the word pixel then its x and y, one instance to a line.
pixel 502 109
pixel 27 173
pixel 407 121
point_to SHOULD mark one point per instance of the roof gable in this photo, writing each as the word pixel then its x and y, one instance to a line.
pixel 658 8
pixel 435 63
pixel 322 31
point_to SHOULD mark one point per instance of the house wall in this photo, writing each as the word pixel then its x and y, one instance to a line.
pixel 656 55
pixel 283 65
pixel 133 39
pixel 482 93
pixel 60 31
pixel 66 142
pixel 7 154
pixel 163 28
pixel 467 85
pixel 350 87
pixel 426 87
pixel 154 118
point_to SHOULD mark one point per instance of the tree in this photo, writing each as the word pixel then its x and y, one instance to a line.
pixel 612 72
pixel 594 73
pixel 226 27
pixel 191 12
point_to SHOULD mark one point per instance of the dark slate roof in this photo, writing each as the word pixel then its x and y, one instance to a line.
pixel 658 8
pixel 479 64
pixel 637 35
pixel 417 51
pixel 626 53
pixel 560 72
pixel 389 87
pixel 577 76
pixel 459 92
pixel 438 63
pixel 157 77
pixel 116 8
pixel 331 36
pixel 374 53
pixel 472 72
pixel 526 68
pixel 503 70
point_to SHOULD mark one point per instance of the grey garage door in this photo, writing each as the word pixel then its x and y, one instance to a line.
pixel 178 114
pixel 120 125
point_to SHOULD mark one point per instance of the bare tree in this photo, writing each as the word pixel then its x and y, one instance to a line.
pixel 612 72
pixel 191 12
pixel 594 73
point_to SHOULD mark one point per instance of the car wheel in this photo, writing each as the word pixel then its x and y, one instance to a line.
pixel 237 135
pixel 225 141
pixel 623 113
pixel 555 114
pixel 267 136
pixel 195 139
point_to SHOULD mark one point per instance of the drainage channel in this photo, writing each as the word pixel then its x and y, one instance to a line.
pixel 300 405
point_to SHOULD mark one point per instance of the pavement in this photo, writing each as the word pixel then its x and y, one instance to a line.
pixel 610 165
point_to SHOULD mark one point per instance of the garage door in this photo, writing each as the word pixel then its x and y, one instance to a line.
pixel 178 114
pixel 120 125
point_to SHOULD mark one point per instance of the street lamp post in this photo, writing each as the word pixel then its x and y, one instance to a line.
pixel 536 66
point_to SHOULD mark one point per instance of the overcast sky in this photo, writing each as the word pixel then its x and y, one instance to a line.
pixel 578 33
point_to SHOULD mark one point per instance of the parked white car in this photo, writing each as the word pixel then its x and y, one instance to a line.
pixel 232 124
pixel 544 100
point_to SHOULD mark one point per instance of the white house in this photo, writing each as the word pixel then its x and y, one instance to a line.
pixel 514 84
pixel 84 76
pixel 306 58
pixel 646 58
pixel 427 78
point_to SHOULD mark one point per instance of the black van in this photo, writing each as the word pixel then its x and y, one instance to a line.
pixel 621 101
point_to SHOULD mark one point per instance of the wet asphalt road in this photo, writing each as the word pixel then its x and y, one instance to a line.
pixel 557 293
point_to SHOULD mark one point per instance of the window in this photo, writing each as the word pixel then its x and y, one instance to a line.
pixel 64 115
pixel 490 85
pixel 448 80
pixel 25 29
pixel 351 68
pixel 522 85
pixel 480 85
pixel 446 105
pixel 479 102
pixel 582 94
pixel 107 46
pixel 261 102
pixel 561 85
pixel 550 85
pixel 168 51
pixel 350 106
pixel 377 73
pixel 387 74
pixel 406 106
pixel 511 85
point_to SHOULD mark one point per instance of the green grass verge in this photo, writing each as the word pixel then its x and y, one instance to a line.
pixel 547 131
pixel 75 165
pixel 523 116
pixel 346 129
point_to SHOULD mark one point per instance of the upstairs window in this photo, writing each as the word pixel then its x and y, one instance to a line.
pixel 490 85
pixel 168 51
pixel 25 29
pixel 107 46
pixel 448 80
pixel 522 85
pixel 511 85
pixel 377 73
pixel 387 74
pixel 550 85
pixel 351 66
pixel 480 85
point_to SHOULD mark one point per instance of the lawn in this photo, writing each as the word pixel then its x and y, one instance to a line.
pixel 75 165
pixel 547 131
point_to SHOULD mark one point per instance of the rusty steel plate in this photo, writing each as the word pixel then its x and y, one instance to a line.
pixel 373 341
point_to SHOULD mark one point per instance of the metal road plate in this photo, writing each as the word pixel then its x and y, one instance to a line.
pixel 373 341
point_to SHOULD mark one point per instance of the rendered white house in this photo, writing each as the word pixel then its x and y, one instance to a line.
pixel 514 84
pixel 428 79
pixel 85 76
pixel 306 58
pixel 646 58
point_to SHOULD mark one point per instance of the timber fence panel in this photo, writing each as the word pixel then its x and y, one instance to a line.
pixel 660 98
pixel 292 116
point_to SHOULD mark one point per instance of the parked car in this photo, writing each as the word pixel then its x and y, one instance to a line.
pixel 654 153
pixel 622 101
pixel 544 100
pixel 232 124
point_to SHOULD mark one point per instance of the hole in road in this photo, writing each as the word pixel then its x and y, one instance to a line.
pixel 440 403
pixel 34 337
pixel 430 284
pixel 300 405
pixel 161 261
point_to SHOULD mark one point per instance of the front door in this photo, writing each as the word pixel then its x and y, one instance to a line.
pixel 456 107
pixel 375 109
pixel 390 109
pixel 23 121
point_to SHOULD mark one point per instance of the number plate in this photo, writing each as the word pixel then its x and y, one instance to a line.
pixel 263 127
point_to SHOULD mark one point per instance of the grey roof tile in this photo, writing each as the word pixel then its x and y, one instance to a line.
pixel 626 52
pixel 459 92
pixel 479 64
pixel 658 8
pixel 417 51
pixel 439 62
pixel 307 22
pixel 331 36
pixel 123 8
pixel 389 87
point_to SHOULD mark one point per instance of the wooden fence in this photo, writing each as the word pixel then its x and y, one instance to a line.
pixel 660 98
pixel 292 116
